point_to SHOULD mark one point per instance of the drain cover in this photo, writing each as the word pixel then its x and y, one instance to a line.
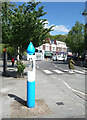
pixel 59 103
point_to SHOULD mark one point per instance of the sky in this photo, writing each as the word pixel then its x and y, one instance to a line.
pixel 63 15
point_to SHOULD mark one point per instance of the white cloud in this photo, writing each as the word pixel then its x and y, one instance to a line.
pixel 47 24
pixel 61 28
pixel 57 28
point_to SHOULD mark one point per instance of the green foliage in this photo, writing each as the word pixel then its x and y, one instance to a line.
pixel 75 38
pixel 20 67
pixel 1 48
pixel 58 37
pixel 22 24
pixel 11 51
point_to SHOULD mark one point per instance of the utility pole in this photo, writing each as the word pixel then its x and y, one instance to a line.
pixel 85 31
pixel 85 35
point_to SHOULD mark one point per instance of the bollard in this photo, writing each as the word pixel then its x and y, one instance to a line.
pixel 31 77
pixel 4 61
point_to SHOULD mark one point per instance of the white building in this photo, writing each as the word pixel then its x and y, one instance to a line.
pixel 50 48
pixel 61 46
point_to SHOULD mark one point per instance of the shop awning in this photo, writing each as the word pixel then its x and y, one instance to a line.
pixel 48 54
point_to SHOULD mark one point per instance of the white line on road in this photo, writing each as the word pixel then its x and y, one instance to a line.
pixel 74 89
pixel 71 71
pixel 47 71
pixel 65 70
pixel 79 71
pixel 66 84
pixel 55 66
pixel 79 92
pixel 58 71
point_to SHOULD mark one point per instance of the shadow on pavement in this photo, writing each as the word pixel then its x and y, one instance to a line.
pixel 10 73
pixel 18 99
pixel 10 66
pixel 13 74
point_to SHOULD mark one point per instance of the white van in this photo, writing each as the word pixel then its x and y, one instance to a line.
pixel 59 56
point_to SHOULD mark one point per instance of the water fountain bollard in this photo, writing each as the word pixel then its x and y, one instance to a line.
pixel 31 77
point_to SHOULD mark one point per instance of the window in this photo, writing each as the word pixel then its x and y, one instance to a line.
pixel 53 48
pixel 64 50
pixel 47 48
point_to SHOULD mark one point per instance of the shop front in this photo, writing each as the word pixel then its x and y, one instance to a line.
pixel 48 54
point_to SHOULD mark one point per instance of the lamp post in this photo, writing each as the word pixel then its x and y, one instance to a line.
pixel 85 14
pixel 85 35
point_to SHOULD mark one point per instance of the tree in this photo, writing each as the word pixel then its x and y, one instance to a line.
pixel 22 24
pixel 75 38
pixel 58 37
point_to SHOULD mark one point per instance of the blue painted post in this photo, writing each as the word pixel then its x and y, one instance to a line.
pixel 31 77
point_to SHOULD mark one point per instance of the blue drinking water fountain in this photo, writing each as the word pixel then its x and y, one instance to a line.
pixel 31 78
pixel 30 49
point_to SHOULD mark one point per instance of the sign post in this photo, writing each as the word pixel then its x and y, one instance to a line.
pixel 31 76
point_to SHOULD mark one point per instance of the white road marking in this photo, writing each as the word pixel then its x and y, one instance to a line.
pixel 58 71
pixel 47 71
pixel 79 92
pixel 74 89
pixel 65 70
pixel 79 71
pixel 55 66
pixel 66 84
pixel 71 72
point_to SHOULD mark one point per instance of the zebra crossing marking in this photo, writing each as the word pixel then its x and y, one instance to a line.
pixel 63 71
pixel 79 71
pixel 55 66
pixel 47 71
pixel 71 72
pixel 58 71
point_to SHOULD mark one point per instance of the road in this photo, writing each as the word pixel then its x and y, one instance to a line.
pixel 59 70
pixel 61 85
pixel 62 91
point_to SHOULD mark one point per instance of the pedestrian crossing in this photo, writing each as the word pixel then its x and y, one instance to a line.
pixel 79 71
pixel 47 71
pixel 56 71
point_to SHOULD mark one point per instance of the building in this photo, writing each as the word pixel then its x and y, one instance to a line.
pixel 50 48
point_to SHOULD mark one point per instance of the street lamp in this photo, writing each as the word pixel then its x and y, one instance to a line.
pixel 85 35
pixel 85 14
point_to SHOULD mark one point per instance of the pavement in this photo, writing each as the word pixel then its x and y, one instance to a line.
pixel 49 101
